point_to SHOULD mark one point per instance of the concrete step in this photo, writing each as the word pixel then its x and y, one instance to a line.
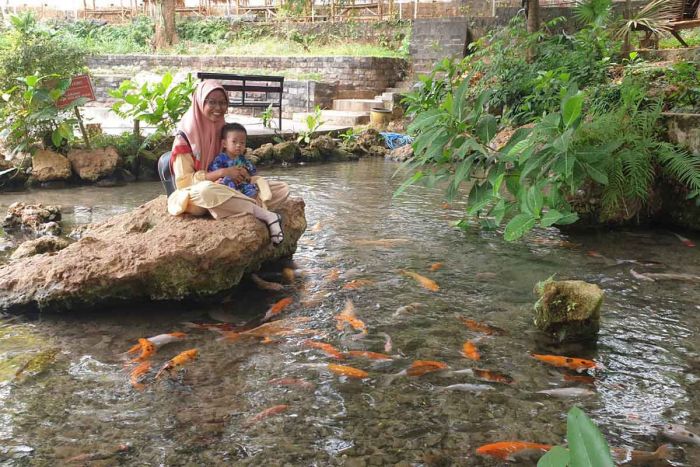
pixel 357 105
pixel 336 117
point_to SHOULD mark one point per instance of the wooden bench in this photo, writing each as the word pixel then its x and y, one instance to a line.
pixel 252 91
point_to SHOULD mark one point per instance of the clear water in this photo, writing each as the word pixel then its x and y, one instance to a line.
pixel 83 403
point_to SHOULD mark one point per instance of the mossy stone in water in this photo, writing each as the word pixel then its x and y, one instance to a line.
pixel 568 310
pixel 286 152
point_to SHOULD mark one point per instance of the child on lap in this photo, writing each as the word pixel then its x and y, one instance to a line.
pixel 233 141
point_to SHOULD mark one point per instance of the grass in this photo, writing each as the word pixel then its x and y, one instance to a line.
pixel 691 37
pixel 267 47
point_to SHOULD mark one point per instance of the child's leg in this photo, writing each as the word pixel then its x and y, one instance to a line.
pixel 264 192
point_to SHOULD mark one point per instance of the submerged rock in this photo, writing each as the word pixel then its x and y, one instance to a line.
pixel 568 310
pixel 34 218
pixel 40 246
pixel 147 254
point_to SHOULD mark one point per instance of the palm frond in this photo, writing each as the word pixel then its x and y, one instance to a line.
pixel 656 17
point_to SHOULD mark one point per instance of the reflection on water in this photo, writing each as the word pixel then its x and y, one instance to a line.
pixel 83 403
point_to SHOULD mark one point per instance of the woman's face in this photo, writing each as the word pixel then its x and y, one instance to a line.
pixel 215 105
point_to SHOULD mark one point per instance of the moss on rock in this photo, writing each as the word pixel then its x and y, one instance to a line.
pixel 568 310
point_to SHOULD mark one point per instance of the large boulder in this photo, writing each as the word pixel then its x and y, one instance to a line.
pixel 93 164
pixel 48 165
pixel 286 151
pixel 568 310
pixel 147 254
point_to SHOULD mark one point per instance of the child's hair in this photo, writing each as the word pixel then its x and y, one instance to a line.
pixel 230 128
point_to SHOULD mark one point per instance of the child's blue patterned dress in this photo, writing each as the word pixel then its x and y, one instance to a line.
pixel 223 161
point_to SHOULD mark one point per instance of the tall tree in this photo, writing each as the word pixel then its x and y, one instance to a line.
pixel 533 15
pixel 166 35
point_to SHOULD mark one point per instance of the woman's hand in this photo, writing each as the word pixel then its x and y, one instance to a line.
pixel 237 174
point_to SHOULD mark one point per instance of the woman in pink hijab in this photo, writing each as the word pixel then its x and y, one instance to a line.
pixel 197 143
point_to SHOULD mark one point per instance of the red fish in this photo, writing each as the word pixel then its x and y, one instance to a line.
pixel 422 367
pixel 348 371
pixel 274 410
pixel 177 361
pixel 470 351
pixel 357 284
pixel 493 376
pixel 686 241
pixel 422 280
pixel 348 315
pixel 482 327
pixel 137 373
pixel 512 450
pixel 436 266
pixel 328 349
pixel 576 364
pixel 579 378
pixel 147 350
pixel 277 308
pixel 293 382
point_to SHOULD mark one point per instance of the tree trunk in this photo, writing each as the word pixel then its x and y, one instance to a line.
pixel 533 24
pixel 166 35
pixel 533 16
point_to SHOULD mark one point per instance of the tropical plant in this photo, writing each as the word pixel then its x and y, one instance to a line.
pixel 313 122
pixel 30 113
pixel 655 17
pixel 160 104
pixel 587 446
pixel 267 117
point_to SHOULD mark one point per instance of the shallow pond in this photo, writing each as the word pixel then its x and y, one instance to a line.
pixel 78 399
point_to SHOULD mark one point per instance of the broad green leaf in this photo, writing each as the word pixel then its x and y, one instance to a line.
pixel 533 201
pixel 587 446
pixel 571 109
pixel 488 224
pixel 499 211
pixel 479 197
pixel 167 80
pixel 518 226
pixel 568 218
pixel 31 81
pixel 556 457
pixel 132 99
pixel 56 138
pixel 595 174
pixel 461 174
pixel 550 218
pixel 486 128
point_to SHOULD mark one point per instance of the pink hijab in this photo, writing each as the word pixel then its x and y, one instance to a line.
pixel 203 135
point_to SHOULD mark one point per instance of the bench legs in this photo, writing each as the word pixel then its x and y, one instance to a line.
pixel 679 38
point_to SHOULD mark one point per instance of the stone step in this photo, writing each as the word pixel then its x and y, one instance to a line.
pixel 336 117
pixel 357 105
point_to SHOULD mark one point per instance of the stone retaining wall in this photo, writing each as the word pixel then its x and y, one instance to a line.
pixel 352 76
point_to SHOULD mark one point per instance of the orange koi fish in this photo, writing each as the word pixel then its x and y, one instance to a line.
pixel 274 410
pixel 513 450
pixel 277 308
pixel 147 350
pixel 137 373
pixel 470 351
pixel 627 456
pixel 482 327
pixel 367 354
pixel 493 376
pixel 293 382
pixel 357 283
pixel 265 285
pixel 348 371
pixel 436 266
pixel 177 361
pixel 579 378
pixel 577 364
pixel 333 275
pixel 349 316
pixel 159 341
pixel 422 280
pixel 422 367
pixel 328 349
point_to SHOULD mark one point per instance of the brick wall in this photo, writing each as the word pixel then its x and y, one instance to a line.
pixel 341 77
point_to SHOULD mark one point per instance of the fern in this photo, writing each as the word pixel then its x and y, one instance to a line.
pixel 680 165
